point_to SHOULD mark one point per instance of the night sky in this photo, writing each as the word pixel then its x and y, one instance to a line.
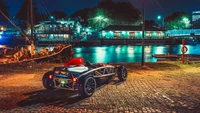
pixel 153 7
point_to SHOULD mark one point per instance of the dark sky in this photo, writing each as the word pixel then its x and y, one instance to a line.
pixel 153 7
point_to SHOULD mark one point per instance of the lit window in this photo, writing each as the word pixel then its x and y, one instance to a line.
pixel 148 34
pixel 159 34
pixel 66 36
pixel 132 34
pixel 117 34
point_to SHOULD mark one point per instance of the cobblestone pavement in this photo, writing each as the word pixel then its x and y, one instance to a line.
pixel 139 94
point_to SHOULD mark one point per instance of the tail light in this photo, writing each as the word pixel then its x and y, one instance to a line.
pixel 74 79
pixel 50 77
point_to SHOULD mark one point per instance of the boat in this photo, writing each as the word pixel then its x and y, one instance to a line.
pixel 19 55
pixel 191 41
pixel 62 55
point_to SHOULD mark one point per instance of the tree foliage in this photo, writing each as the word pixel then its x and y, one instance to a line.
pixel 177 20
pixel 83 14
pixel 23 15
pixel 4 9
pixel 59 14
pixel 151 23
pixel 99 18
pixel 118 13
pixel 126 14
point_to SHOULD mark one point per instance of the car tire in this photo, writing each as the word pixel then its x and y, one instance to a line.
pixel 47 83
pixel 122 73
pixel 87 87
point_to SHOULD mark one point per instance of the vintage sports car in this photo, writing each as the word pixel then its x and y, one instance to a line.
pixel 83 77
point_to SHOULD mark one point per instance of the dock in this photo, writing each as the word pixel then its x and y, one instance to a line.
pixel 176 57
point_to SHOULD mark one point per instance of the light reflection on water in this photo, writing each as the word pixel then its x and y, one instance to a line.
pixel 126 53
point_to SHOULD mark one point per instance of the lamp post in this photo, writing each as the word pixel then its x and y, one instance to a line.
pixel 143 29
pixel 163 20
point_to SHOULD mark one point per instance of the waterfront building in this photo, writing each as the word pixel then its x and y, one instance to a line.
pixel 183 33
pixel 196 19
pixel 58 30
pixel 130 32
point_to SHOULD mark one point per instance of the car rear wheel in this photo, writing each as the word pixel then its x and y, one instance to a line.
pixel 87 88
pixel 122 73
pixel 47 81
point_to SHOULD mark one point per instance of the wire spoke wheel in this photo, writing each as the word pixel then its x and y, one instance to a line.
pixel 90 86
pixel 122 73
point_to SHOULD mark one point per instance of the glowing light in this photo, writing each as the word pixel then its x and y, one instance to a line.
pixel 62 82
pixel 52 17
pixel 50 77
pixel 78 49
pixel 159 17
pixel 117 50
pixel 74 79
pixel 101 54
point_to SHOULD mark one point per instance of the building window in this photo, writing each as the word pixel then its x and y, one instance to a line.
pixel 159 34
pixel 117 34
pixel 148 34
pixel 132 34
pixel 66 36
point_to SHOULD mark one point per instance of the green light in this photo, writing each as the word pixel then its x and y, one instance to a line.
pixel 62 82
pixel 52 17
pixel 159 17
pixel 185 19
pixel 99 17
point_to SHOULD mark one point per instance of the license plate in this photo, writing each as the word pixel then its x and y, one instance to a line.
pixel 62 81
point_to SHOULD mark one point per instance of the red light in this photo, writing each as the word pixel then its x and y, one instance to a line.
pixel 50 77
pixel 74 79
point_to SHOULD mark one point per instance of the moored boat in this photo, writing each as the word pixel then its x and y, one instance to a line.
pixel 60 54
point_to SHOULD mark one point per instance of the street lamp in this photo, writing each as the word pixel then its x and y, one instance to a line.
pixel 163 21
pixel 143 28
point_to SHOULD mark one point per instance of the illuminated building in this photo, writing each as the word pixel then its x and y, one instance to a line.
pixel 131 32
pixel 196 19
pixel 60 30
pixel 183 33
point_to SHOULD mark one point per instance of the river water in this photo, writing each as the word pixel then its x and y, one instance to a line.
pixel 126 53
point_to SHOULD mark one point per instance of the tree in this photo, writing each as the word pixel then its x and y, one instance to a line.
pixel 59 14
pixel 4 9
pixel 126 14
pixel 23 15
pixel 99 18
pixel 108 12
pixel 151 23
pixel 83 14
pixel 177 20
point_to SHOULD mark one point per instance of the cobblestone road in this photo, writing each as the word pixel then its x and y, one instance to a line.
pixel 139 94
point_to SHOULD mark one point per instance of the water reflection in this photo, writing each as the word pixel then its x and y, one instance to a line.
pixel 125 53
